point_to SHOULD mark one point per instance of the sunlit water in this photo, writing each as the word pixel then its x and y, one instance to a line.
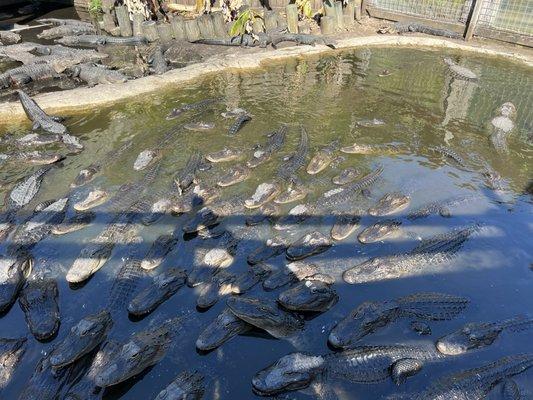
pixel 422 105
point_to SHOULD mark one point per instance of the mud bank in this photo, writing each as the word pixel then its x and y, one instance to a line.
pixel 81 100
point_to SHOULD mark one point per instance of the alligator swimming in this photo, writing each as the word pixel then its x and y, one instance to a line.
pixel 364 364
pixel 357 148
pixel 475 383
pixel 437 250
pixel 262 153
pixel 236 174
pixel 345 224
pixel 442 208
pixel 459 71
pixel 295 191
pixel 309 244
pixel 219 285
pixel 347 175
pixel 389 204
pixel 38 301
pixel 74 223
pixel 198 106
pixel 371 316
pixel 297 160
pixel 239 123
pixel 82 338
pixel 157 253
pixel 162 287
pixel 27 73
pixel 225 326
pixel 226 154
pixel 271 248
pixel 11 351
pixel 268 211
pixel 66 30
pixel 34 139
pixel 93 199
pixel 450 153
pixel 266 315
pixel 200 195
pixel 187 176
pixel 199 126
pixel 481 334
pixel 294 272
pixel 94 74
pixel 254 274
pixel 309 296
pixel 379 231
pixel 212 214
pixel 263 194
pixel 26 189
pixel 39 118
pixel 32 157
pixel 13 273
pixel 501 126
pixel 322 158
pixel 101 40
pixel 140 351
pixel 185 386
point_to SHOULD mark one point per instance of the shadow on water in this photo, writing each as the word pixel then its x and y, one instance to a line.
pixel 491 268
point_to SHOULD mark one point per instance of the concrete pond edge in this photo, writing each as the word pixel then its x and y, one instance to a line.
pixel 83 99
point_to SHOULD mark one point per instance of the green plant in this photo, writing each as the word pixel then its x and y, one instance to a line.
pixel 244 22
pixel 95 6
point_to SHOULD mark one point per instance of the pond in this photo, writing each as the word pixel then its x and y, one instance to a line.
pixel 428 129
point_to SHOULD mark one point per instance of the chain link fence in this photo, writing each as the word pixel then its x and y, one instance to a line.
pixel 439 10
pixel 507 15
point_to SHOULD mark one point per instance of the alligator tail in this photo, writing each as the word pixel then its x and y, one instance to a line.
pixel 216 42
pixel 518 324
pixel 432 306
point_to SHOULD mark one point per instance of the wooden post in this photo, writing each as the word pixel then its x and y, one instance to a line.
pixel 357 6
pixel 339 14
pixel 471 24
pixel 123 18
pixel 329 10
pixel 349 12
pixel 364 5
pixel 109 23
pixel 282 22
pixel 107 6
pixel 178 27
pixel 137 20
pixel 327 25
pixel 292 18
pixel 271 20
pixel 219 25
pixel 191 30
pixel 164 31
pixel 149 30
pixel 205 24
pixel 258 24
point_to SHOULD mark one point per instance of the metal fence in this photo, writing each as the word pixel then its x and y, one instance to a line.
pixel 441 10
pixel 507 15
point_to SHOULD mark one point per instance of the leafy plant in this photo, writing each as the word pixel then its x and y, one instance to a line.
pixel 95 6
pixel 304 8
pixel 244 22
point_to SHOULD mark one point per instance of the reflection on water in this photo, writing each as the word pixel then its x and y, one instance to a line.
pixel 377 97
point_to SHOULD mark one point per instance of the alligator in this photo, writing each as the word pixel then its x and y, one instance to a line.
pixel 478 335
pixel 226 154
pixel 14 272
pixel 364 365
pixel 263 39
pixel 428 30
pixel 273 145
pixel 266 315
pixel 322 158
pixel 501 126
pixel 26 189
pixel 510 390
pixel 475 383
pixel 441 208
pixel 199 126
pixel 7 37
pixel 225 326
pixel 345 224
pixel 39 118
pixel 187 176
pixel 74 223
pixel 297 160
pixel 263 194
pixel 94 74
pixel 294 272
pixel 101 40
pixel 38 301
pixel 34 139
pixel 82 338
pixel 198 106
pixel 66 30
pixel 435 251
pixel 371 316
pixel 87 174
pixel 158 62
pixel 295 191
pixel 185 386
pixel 213 214
pixel 199 196
pixel 62 21
pixel 271 248
pixel 346 176
pixel 268 211
pixel 309 244
pixel 254 274
pixel 32 157
pixel 450 153
pixel 357 148
pixel 11 352
pixel 241 120
pixel 390 203
pixel 379 231
pixel 93 199
pixel 236 174
pixel 162 287
pixel 309 296
pixel 140 351
pixel 459 71
pixel 27 73
pixel 221 284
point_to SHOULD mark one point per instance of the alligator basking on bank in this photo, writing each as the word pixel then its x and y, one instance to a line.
pixel 371 316
pixel 264 39
pixel 66 30
pixel 27 73
pixel 94 74
pixel 481 334
pixel 432 252
pixel 11 351
pixel 364 364
pixel 428 30
pixel 102 40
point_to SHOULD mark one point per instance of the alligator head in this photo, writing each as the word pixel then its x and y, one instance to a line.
pixel 390 203
pixel 309 295
pixel 82 338
pixel 292 372
pixel 365 319
pixel 378 231
pixel 13 273
pixel 470 336
pixel 91 260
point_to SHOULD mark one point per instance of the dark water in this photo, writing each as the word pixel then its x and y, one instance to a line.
pixel 421 104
